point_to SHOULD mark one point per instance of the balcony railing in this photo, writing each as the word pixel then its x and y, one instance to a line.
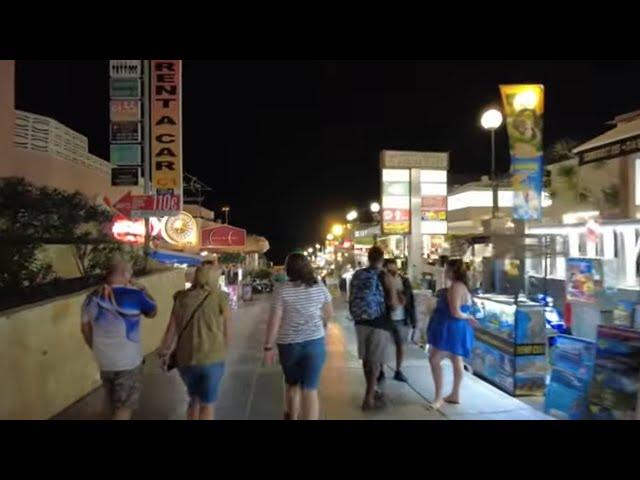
pixel 42 134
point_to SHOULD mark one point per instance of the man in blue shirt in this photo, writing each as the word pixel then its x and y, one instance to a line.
pixel 111 328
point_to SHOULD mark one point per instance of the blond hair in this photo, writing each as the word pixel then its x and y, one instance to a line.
pixel 206 277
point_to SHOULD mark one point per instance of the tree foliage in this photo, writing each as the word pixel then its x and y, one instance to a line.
pixel 31 215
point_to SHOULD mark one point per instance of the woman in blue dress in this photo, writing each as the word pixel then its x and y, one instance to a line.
pixel 450 331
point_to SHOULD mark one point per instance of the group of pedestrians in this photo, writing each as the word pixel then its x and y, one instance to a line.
pixel 198 333
pixel 382 308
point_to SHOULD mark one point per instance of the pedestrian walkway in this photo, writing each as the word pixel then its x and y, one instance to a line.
pixel 251 391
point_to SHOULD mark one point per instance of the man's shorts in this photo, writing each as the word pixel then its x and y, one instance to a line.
pixel 400 332
pixel 123 387
pixel 373 344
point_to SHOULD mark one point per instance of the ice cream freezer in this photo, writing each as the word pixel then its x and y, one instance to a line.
pixel 510 349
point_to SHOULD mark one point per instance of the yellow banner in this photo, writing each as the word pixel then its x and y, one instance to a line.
pixel 166 126
pixel 524 114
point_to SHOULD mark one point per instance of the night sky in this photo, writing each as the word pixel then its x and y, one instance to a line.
pixel 291 145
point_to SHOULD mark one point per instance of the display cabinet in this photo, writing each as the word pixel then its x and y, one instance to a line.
pixel 510 344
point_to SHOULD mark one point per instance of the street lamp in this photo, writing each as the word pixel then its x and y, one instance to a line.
pixel 337 230
pixel 491 120
pixel 318 247
pixel 352 215
pixel 330 236
pixel 225 210
pixel 374 207
pixel 310 250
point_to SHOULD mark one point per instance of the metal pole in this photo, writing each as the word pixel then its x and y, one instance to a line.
pixel 494 181
pixel 147 153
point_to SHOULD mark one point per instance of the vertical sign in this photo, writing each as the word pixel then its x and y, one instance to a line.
pixel 524 110
pixel 396 201
pixel 166 127
pixel 125 133
pixel 433 205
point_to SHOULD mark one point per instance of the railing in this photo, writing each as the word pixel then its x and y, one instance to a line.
pixel 42 134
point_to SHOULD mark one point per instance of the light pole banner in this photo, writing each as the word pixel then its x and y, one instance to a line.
pixel 524 112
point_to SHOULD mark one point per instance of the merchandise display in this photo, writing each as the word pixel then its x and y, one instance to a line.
pixel 614 390
pixel 572 363
pixel 510 345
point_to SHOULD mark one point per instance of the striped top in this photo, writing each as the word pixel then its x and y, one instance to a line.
pixel 301 311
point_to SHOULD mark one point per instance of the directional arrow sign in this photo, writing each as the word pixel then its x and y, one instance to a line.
pixel 142 206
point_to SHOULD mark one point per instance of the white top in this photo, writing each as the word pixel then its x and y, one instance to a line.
pixel 397 313
pixel 301 311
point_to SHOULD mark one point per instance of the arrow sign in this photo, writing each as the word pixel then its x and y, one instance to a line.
pixel 143 206
pixel 223 236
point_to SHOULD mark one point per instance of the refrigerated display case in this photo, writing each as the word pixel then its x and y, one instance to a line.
pixel 511 344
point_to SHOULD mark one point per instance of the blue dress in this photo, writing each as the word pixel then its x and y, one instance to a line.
pixel 448 333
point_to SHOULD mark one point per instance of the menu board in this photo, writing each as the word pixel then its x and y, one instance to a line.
pixel 396 201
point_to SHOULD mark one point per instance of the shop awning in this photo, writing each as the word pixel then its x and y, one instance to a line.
pixel 622 131
pixel 175 258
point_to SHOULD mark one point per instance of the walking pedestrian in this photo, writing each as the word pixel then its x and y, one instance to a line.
pixel 401 305
pixel 197 337
pixel 373 328
pixel 300 312
pixel 111 328
pixel 450 331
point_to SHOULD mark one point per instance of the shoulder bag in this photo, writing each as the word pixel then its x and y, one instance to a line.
pixel 172 362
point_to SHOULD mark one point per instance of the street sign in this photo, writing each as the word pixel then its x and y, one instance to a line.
pixel 125 176
pixel 126 132
pixel 125 110
pixel 125 88
pixel 122 154
pixel 223 236
pixel 125 68
pixel 141 206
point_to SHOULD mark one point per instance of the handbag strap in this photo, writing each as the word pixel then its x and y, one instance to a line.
pixel 193 314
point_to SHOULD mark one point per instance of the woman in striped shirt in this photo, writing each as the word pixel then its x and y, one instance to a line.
pixel 300 311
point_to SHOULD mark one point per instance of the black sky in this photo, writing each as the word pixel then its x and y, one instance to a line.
pixel 292 145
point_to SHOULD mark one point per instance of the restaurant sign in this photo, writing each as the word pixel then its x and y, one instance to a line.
pixel 223 236
pixel 612 150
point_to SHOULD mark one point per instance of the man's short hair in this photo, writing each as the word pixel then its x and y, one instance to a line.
pixel 375 255
pixel 389 261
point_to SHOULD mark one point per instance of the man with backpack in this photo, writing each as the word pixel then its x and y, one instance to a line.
pixel 373 329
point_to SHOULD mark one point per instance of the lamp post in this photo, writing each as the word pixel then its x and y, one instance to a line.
pixel 375 212
pixel 225 210
pixel 491 120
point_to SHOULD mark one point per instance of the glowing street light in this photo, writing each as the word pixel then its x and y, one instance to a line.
pixel 225 210
pixel 352 215
pixel 374 207
pixel 310 250
pixel 337 230
pixel 318 247
pixel 492 119
pixel 330 236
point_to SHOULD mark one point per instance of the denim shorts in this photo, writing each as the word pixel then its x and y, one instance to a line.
pixel 302 362
pixel 203 381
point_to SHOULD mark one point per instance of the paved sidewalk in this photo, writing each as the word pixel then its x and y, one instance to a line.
pixel 250 391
